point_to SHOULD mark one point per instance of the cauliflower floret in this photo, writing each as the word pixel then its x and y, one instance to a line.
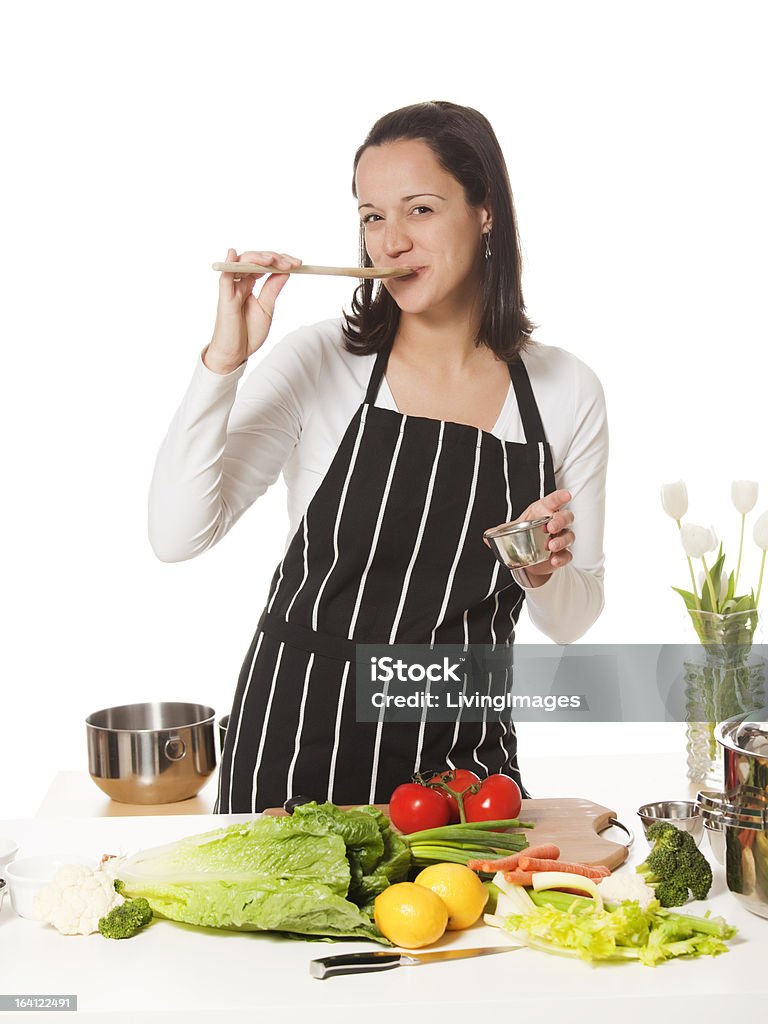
pixel 75 900
pixel 626 885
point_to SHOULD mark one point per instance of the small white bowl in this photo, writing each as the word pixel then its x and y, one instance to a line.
pixel 26 877
pixel 8 850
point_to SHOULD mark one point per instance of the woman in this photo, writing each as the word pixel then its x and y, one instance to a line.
pixel 403 432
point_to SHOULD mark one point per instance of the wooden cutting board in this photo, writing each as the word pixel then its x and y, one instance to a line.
pixel 572 823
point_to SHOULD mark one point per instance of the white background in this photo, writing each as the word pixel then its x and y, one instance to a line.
pixel 142 140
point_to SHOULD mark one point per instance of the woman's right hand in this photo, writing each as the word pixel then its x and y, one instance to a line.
pixel 243 319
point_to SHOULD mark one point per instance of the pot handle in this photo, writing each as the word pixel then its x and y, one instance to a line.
pixel 624 828
pixel 175 748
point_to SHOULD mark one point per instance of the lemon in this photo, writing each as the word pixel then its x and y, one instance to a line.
pixel 410 915
pixel 460 889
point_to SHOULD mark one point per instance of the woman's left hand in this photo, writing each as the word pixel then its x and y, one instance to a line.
pixel 561 535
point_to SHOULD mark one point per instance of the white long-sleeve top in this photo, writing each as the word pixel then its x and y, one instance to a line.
pixel 226 446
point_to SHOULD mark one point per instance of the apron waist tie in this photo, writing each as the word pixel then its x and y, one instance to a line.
pixel 305 639
pixel 341 649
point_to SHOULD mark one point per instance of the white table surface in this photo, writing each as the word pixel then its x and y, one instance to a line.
pixel 76 795
pixel 174 971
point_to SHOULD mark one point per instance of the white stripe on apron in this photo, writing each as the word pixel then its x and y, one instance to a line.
pixel 337 731
pixel 422 726
pixel 448 760
pixel 264 730
pixel 377 530
pixel 342 502
pixel 239 721
pixel 306 569
pixel 496 564
pixel 502 725
pixel 505 730
pixel 297 742
pixel 377 745
pixel 460 545
pixel 420 534
pixel 485 726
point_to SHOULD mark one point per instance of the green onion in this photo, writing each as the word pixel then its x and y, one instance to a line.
pixel 458 844
pixel 479 840
pixel 427 855
pixel 463 831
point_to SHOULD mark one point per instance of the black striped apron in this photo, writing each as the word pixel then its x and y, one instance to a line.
pixel 390 550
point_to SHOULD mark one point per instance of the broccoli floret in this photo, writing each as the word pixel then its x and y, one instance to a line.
pixel 124 921
pixel 675 866
pixel 661 863
pixel 672 893
pixel 695 871
pixel 665 835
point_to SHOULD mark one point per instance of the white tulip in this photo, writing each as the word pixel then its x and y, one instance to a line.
pixel 723 585
pixel 674 499
pixel 697 540
pixel 760 532
pixel 744 495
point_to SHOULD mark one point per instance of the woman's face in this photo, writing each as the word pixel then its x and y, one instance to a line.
pixel 415 215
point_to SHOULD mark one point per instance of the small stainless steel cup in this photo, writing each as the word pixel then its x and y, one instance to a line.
pixel 517 545
pixel 683 814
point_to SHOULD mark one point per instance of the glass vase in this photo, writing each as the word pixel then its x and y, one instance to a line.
pixel 727 679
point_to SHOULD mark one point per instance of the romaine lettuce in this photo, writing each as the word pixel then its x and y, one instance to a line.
pixel 313 873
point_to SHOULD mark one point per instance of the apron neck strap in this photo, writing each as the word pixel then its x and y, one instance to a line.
pixel 526 403
pixel 377 375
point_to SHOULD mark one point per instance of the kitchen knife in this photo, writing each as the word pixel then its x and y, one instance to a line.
pixel 380 960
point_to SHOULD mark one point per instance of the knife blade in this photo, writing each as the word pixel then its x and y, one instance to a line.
pixel 380 960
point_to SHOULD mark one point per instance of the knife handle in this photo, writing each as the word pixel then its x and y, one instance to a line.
pixel 354 963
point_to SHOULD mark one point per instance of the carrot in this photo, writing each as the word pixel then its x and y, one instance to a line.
pixel 526 863
pixel 519 877
pixel 546 850
pixel 492 866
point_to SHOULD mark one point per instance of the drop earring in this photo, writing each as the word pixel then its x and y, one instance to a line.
pixel 488 253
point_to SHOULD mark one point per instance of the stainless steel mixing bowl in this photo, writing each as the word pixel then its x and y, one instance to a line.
pixel 153 753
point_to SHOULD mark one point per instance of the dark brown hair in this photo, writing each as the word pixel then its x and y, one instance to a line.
pixel 465 145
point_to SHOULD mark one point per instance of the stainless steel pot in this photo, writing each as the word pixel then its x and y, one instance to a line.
pixel 742 810
pixel 151 753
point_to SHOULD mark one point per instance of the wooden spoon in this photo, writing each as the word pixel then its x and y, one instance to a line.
pixel 305 268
